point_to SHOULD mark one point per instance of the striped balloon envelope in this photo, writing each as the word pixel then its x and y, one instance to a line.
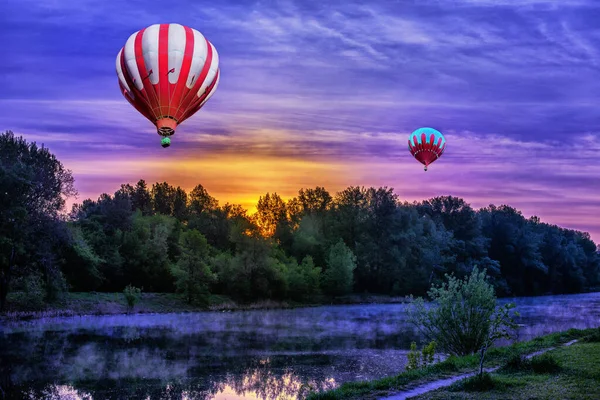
pixel 426 145
pixel 168 72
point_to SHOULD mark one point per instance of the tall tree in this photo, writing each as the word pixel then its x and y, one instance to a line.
pixel 201 201
pixel 192 272
pixel 163 198
pixel 270 214
pixel 338 278
pixel 141 198
pixel 33 187
pixel 180 210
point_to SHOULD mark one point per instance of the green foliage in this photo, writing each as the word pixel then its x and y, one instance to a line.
pixel 360 239
pixel 303 279
pixel 428 354
pixel 422 359
pixel 34 291
pixel 477 383
pixel 341 262
pixel 132 296
pixel 453 364
pixel 464 318
pixel 517 362
pixel 192 272
pixel 413 357
pixel 33 188
pixel 593 337
pixel 545 364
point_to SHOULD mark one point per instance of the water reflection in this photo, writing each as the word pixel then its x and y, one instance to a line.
pixel 266 355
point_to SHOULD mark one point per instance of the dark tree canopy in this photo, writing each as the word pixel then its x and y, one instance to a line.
pixel 33 188
pixel 358 240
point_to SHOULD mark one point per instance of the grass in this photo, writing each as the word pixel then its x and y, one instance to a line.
pixel 452 366
pixel 96 303
pixel 578 377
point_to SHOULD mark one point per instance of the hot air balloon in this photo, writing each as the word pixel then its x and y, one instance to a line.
pixel 426 145
pixel 168 72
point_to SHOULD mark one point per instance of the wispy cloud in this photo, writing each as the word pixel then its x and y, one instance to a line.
pixel 317 93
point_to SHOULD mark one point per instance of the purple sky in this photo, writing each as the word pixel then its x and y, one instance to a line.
pixel 314 94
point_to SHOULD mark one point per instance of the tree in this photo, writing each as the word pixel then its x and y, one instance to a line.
pixel 201 201
pixel 192 272
pixel 303 279
pixel 33 187
pixel 180 210
pixel 146 261
pixel 270 214
pixel 515 244
pixel 341 263
pixel 141 198
pixel 467 246
pixel 463 317
pixel 317 200
pixel 163 198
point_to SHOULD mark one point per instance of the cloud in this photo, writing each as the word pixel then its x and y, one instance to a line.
pixel 323 93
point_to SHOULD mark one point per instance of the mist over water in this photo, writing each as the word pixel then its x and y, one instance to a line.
pixel 266 355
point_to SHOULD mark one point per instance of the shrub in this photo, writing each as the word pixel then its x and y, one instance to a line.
pixel 463 318
pixel 421 359
pixel 542 364
pixel 517 362
pixel 594 337
pixel 476 383
pixel 545 364
pixel 34 291
pixel 132 296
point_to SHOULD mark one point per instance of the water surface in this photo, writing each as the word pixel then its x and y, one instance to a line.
pixel 261 355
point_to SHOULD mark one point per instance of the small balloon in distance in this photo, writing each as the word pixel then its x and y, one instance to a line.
pixel 426 145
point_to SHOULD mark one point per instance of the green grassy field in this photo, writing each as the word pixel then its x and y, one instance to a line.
pixel 456 366
pixel 578 377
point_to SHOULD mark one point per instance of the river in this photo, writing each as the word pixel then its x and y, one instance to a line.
pixel 259 355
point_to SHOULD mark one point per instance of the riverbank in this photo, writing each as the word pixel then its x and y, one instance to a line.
pixel 455 366
pixel 571 372
pixel 95 303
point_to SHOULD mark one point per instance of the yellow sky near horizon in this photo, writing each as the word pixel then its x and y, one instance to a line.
pixel 243 178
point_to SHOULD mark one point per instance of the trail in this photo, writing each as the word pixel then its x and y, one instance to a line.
pixel 431 386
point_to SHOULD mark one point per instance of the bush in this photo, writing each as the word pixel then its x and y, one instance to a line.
pixel 542 364
pixel 517 362
pixel 593 337
pixel 477 383
pixel 132 296
pixel 34 291
pixel 545 364
pixel 421 359
pixel 463 317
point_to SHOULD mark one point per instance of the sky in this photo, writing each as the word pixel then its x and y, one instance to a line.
pixel 317 93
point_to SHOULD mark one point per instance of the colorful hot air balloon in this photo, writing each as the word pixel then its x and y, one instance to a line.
pixel 168 72
pixel 426 145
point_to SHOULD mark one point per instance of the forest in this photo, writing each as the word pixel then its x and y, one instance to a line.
pixel 162 238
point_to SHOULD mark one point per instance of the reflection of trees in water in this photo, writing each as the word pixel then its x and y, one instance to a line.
pixel 74 366
pixel 271 383
pixel 260 379
pixel 127 353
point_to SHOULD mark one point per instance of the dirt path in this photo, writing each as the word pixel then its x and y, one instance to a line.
pixel 431 386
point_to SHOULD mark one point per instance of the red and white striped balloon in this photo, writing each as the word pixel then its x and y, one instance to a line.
pixel 168 72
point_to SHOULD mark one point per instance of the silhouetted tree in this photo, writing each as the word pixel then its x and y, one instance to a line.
pixel 33 187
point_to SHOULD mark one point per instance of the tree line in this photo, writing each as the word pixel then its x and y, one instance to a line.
pixel 360 240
